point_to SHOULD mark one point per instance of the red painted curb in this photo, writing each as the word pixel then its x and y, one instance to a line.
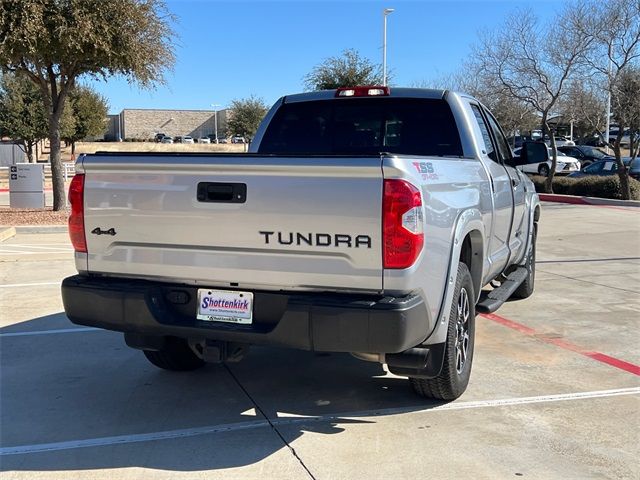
pixel 591 201
pixel 552 197
pixel 597 356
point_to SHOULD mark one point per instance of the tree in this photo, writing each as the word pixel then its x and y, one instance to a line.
pixel 346 70
pixel 533 64
pixel 89 112
pixel 245 116
pixel 22 114
pixel 615 50
pixel 625 103
pixel 54 42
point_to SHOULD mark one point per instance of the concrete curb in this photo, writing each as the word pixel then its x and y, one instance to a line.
pixel 41 229
pixel 553 197
pixel 6 233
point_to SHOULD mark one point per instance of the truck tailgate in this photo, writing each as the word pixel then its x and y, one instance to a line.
pixel 241 221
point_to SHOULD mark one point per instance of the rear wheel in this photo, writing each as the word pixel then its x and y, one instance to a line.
pixel 543 170
pixel 175 355
pixel 458 356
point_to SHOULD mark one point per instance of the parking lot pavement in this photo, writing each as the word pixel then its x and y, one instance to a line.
pixel 554 391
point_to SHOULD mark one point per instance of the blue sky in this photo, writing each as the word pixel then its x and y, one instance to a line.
pixel 233 49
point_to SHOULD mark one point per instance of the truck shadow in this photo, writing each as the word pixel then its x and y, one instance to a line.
pixel 84 401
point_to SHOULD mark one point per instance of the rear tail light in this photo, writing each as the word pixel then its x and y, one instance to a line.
pixel 362 91
pixel 402 224
pixel 76 219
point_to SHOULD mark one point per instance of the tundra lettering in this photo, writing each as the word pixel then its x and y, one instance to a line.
pixel 318 239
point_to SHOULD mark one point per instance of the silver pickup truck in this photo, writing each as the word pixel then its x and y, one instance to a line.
pixel 363 220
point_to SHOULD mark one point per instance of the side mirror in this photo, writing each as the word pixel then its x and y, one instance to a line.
pixel 531 152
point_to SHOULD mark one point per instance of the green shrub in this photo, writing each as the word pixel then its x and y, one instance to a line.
pixel 592 186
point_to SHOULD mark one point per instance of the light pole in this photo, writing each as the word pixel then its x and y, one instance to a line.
pixel 385 12
pixel 215 118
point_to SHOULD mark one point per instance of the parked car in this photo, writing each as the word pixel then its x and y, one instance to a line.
pixel 560 141
pixel 166 140
pixel 585 153
pixel 564 165
pixel 331 239
pixel 204 140
pixel 183 139
pixel 237 139
pixel 212 138
pixel 517 140
pixel 626 136
pixel 609 166
pixel 158 138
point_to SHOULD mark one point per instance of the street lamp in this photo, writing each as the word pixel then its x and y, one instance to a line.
pixel 385 12
pixel 215 118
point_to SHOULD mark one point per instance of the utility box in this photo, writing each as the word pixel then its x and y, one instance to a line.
pixel 26 185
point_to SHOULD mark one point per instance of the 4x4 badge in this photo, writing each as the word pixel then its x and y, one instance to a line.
pixel 98 231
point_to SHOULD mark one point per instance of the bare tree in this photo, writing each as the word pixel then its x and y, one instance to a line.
pixel 533 63
pixel 615 51
pixel 585 106
pixel 512 114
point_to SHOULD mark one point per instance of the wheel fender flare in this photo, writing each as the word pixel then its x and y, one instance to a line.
pixel 468 221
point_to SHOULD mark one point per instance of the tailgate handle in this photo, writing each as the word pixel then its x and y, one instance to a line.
pixel 215 192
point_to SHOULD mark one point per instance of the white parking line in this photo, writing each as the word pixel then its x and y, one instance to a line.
pixel 50 332
pixel 23 252
pixel 58 246
pixel 40 284
pixel 231 427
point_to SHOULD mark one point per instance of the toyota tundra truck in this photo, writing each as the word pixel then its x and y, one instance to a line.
pixel 366 220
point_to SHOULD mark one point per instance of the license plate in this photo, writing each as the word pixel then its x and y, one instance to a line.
pixel 225 306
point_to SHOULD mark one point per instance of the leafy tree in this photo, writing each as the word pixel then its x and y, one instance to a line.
pixel 22 114
pixel 54 42
pixel 533 64
pixel 89 112
pixel 245 116
pixel 346 70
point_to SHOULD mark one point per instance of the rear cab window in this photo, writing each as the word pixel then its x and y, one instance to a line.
pixel 363 126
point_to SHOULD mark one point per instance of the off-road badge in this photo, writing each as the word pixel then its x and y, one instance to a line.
pixel 426 170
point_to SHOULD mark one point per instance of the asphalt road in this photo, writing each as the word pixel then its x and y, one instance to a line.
pixel 554 391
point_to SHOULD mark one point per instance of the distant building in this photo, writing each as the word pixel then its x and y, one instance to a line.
pixel 144 124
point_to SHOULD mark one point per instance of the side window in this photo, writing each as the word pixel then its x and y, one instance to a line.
pixel 486 136
pixel 503 145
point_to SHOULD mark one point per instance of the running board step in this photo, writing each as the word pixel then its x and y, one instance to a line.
pixel 493 300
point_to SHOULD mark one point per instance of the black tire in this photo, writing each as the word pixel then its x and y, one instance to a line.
pixel 454 376
pixel 176 355
pixel 526 288
pixel 543 170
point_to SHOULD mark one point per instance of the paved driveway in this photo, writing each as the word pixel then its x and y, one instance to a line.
pixel 554 391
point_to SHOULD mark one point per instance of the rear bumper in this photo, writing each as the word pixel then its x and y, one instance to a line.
pixel 320 322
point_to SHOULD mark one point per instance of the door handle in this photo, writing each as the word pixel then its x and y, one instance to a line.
pixel 515 182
